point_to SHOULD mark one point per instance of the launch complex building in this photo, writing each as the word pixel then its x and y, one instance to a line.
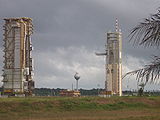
pixel 18 68
pixel 18 63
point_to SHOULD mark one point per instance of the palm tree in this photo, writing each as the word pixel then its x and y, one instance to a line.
pixel 147 33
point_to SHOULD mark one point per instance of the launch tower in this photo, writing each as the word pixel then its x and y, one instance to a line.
pixel 113 62
pixel 18 68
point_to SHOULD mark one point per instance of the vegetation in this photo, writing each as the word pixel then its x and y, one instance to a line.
pixel 82 108
pixel 55 92
pixel 147 33
pixel 91 92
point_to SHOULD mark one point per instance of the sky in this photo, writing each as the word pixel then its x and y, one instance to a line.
pixel 67 33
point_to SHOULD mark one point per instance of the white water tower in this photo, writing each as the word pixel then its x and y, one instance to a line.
pixel 77 77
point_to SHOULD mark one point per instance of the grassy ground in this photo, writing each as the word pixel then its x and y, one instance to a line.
pixel 83 108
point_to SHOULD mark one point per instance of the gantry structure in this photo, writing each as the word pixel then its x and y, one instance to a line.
pixel 113 53
pixel 18 68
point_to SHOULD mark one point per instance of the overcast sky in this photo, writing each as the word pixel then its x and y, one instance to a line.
pixel 68 32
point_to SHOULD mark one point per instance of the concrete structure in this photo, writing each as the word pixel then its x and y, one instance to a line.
pixel 17 70
pixel 113 83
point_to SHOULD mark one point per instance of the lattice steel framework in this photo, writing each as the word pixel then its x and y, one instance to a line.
pixel 18 68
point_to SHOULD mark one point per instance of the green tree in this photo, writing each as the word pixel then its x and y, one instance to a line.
pixel 147 33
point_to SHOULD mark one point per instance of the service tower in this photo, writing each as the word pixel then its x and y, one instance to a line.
pixel 18 68
pixel 113 83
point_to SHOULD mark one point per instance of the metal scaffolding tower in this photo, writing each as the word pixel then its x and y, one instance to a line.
pixel 18 69
pixel 113 55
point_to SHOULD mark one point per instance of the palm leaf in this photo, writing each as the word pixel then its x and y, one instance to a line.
pixel 150 73
pixel 147 33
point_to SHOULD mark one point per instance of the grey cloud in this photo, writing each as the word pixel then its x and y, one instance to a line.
pixel 61 67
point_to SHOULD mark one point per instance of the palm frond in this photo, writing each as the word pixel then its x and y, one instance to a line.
pixel 147 33
pixel 150 73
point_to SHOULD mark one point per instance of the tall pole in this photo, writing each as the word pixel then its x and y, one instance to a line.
pixel 98 85
pixel 72 86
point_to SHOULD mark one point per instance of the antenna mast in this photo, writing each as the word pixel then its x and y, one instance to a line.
pixel 117 25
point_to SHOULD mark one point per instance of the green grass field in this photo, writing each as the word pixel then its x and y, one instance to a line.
pixel 82 108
